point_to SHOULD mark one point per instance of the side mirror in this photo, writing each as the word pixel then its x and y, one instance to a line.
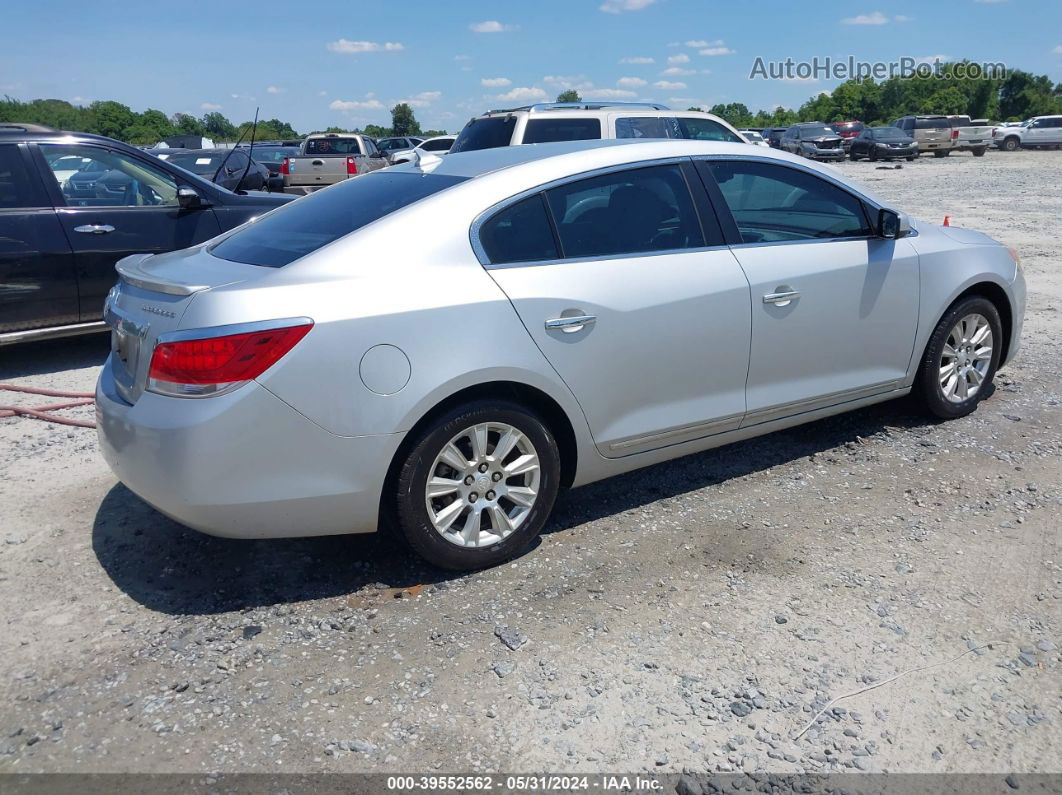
pixel 893 225
pixel 188 199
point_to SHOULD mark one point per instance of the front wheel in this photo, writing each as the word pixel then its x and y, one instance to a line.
pixel 1010 144
pixel 961 358
pixel 478 485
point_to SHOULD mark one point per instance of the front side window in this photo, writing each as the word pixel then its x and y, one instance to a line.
pixel 540 131
pixel 626 212
pixel 519 233
pixel 303 226
pixel 772 203
pixel 106 178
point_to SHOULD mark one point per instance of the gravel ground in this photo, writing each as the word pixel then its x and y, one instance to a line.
pixel 695 615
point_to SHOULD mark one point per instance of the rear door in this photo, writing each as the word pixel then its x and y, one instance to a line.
pixel 38 288
pixel 631 295
pixel 374 158
pixel 133 208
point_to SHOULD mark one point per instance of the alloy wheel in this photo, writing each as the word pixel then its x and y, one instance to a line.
pixel 482 485
pixel 966 358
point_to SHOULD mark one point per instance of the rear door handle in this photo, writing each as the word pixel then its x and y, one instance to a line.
pixel 570 325
pixel 782 298
pixel 94 229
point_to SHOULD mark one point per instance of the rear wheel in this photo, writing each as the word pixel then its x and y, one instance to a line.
pixel 478 485
pixel 940 153
pixel 1010 144
pixel 961 358
pixel 909 159
pixel 980 151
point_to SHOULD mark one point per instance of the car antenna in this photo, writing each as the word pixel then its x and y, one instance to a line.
pixel 239 141
pixel 250 151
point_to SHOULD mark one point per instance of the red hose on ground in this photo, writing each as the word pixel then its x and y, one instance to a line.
pixel 45 412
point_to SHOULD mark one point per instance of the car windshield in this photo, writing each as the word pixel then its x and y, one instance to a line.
pixel 303 226
pixel 752 136
pixel 488 133
pixel 888 134
pixel 197 162
pixel 815 132
pixel 848 126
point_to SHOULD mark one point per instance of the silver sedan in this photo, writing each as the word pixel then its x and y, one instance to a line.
pixel 562 313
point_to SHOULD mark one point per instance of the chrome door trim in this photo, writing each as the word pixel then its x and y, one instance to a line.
pixel 694 432
pixel 782 298
pixel 570 324
pixel 52 332
pixel 784 410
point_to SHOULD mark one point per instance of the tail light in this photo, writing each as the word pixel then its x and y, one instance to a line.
pixel 993 133
pixel 954 134
pixel 213 365
pixel 352 166
pixel 285 167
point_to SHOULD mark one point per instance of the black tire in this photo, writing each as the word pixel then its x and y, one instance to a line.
pixel 872 156
pixel 927 384
pixel 853 156
pixel 1010 144
pixel 910 159
pixel 410 512
pixel 941 152
pixel 980 152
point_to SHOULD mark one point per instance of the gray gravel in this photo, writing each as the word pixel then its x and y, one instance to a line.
pixel 690 617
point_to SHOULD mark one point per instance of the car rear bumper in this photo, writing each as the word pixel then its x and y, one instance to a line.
pixel 242 465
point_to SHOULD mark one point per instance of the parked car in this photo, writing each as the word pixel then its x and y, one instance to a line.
pixel 773 136
pixel 1040 132
pixel 848 130
pixel 814 140
pixel 968 136
pixel 439 145
pixel 931 133
pixel 547 122
pixel 271 157
pixel 624 303
pixel 882 143
pixel 753 137
pixel 328 158
pixel 73 204
pixel 397 144
pixel 228 168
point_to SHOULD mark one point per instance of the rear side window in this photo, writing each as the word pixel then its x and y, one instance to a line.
pixel 540 131
pixel 691 128
pixel 441 145
pixel 626 212
pixel 487 133
pixel 307 224
pixel 16 190
pixel 519 233
pixel 333 146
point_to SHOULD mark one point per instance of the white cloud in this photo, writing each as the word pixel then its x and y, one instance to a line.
pixel 667 85
pixel 612 93
pixel 491 26
pixel 276 90
pixel 347 47
pixel 637 59
pixel 933 58
pixel 1057 50
pixel 495 82
pixel 619 6
pixel 902 18
pixel 680 58
pixel 524 94
pixel 720 49
pixel 676 71
pixel 421 100
pixel 631 82
pixel 369 104
pixel 564 82
pixel 210 106
pixel 875 18
pixel 322 93
pixel 695 43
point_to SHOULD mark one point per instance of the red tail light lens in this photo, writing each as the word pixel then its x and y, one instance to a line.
pixel 285 167
pixel 214 365
pixel 954 134
pixel 352 166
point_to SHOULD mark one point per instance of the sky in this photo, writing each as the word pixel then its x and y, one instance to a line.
pixel 345 63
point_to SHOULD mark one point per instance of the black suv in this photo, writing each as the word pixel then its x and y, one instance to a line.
pixel 73 204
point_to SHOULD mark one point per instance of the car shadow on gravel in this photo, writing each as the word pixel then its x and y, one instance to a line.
pixel 53 356
pixel 169 568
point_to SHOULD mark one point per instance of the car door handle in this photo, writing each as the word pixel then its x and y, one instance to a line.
pixel 570 325
pixel 94 229
pixel 782 298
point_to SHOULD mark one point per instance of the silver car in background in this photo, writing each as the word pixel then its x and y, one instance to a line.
pixel 565 312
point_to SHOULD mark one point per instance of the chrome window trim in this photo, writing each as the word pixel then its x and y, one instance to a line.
pixel 210 332
pixel 490 212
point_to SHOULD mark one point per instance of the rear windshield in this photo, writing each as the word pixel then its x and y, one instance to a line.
pixel 197 163
pixel 273 154
pixel 932 124
pixel 888 134
pixel 307 224
pixel 333 146
pixel 488 133
pixel 540 131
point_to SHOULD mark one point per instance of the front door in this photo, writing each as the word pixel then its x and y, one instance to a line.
pixel 834 308
pixel 126 206
pixel 642 311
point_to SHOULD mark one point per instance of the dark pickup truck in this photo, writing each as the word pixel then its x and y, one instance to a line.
pixel 73 204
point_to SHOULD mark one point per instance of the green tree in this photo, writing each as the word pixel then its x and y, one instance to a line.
pixel 403 122
pixel 112 118
pixel 571 95
pixel 376 131
pixel 218 127
pixel 187 125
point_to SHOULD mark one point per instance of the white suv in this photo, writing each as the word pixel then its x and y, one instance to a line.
pixel 1045 131
pixel 581 121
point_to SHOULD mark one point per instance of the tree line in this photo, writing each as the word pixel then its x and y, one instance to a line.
pixel 115 120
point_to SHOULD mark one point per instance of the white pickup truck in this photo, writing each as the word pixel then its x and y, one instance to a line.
pixel 968 136
pixel 328 158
